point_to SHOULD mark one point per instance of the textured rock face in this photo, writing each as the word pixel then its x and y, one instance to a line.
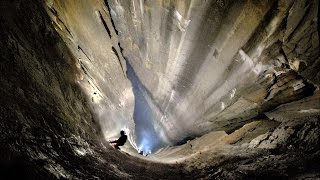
pixel 73 73
pixel 47 128
pixel 290 150
pixel 87 30
pixel 214 65
pixel 201 65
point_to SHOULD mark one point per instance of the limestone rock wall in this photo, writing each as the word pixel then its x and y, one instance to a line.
pixel 89 33
pixel 205 65
pixel 213 65
pixel 290 151
pixel 46 121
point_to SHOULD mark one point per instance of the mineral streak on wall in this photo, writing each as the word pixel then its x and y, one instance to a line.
pixel 86 27
pixel 73 73
pixel 213 65
pixel 203 65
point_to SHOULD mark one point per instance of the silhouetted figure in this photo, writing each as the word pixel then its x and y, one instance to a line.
pixel 143 153
pixel 121 141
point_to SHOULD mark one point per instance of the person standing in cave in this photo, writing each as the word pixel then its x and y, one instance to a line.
pixel 121 141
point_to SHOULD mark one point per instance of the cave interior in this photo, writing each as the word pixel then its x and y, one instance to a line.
pixel 204 89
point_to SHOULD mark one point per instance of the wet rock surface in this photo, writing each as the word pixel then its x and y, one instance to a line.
pixel 223 62
pixel 247 72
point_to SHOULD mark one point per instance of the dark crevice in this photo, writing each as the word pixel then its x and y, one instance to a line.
pixel 109 10
pixel 121 49
pixel 53 10
pixel 84 68
pixel 116 53
pixel 105 24
pixel 284 54
pixel 68 31
pixel 185 140
pixel 80 49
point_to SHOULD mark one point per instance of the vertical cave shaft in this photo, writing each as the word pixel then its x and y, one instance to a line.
pixel 215 89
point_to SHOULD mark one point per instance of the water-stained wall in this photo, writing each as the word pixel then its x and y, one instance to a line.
pixel 214 65
pixel 88 30
pixel 203 65
pixel 195 66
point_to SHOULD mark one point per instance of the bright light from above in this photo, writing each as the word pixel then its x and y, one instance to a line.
pixel 148 136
